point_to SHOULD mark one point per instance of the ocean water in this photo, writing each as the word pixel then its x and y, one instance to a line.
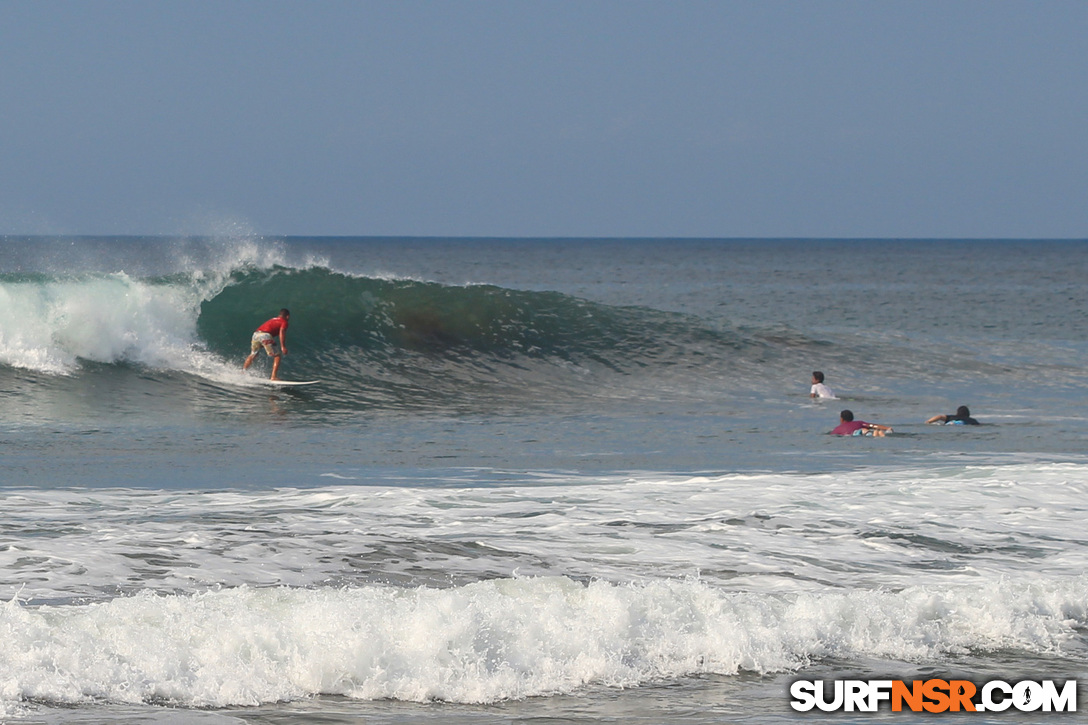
pixel 562 481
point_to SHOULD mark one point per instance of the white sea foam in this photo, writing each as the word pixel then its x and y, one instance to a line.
pixel 494 640
pixel 477 593
pixel 754 532
pixel 50 326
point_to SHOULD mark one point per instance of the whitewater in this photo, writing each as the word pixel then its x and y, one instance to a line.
pixel 570 479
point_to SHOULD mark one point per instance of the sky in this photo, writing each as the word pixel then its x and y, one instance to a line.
pixel 545 118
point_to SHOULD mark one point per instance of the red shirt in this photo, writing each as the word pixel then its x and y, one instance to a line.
pixel 847 429
pixel 273 326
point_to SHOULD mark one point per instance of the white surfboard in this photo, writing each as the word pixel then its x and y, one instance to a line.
pixel 290 383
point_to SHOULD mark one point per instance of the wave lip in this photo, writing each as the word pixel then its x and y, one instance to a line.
pixel 495 640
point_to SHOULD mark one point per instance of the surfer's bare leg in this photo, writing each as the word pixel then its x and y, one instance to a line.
pixel 249 361
pixel 275 367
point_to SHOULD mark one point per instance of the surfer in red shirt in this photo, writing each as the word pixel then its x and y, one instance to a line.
pixel 266 337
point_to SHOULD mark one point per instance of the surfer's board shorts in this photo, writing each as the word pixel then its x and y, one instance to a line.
pixel 265 340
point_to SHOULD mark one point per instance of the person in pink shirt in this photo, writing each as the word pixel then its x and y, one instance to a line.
pixel 849 427
pixel 266 336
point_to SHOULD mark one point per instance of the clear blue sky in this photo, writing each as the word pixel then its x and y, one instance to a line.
pixel 809 118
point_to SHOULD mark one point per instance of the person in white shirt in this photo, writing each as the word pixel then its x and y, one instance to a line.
pixel 819 390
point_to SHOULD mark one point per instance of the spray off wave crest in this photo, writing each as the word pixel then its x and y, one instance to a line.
pixel 494 640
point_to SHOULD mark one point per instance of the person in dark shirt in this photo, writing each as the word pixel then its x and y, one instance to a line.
pixel 962 416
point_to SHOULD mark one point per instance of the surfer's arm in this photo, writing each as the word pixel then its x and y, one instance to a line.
pixel 938 419
pixel 877 426
pixel 283 340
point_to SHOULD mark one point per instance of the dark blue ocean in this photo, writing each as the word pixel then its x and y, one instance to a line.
pixel 558 480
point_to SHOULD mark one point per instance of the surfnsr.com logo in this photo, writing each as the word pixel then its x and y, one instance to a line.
pixel 933 695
